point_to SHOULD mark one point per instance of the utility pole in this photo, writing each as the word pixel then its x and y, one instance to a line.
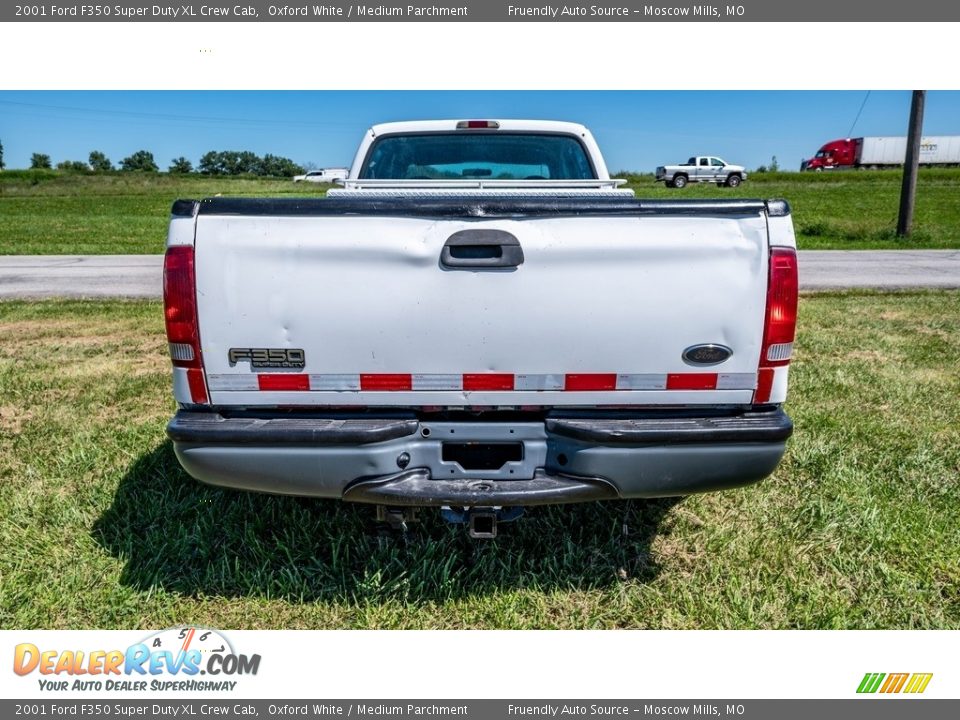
pixel 908 190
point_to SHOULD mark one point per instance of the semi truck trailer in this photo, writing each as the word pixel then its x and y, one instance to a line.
pixel 875 153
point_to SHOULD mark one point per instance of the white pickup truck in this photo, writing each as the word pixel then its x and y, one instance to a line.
pixel 701 168
pixel 480 320
pixel 324 175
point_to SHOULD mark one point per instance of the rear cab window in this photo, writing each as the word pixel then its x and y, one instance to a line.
pixel 477 155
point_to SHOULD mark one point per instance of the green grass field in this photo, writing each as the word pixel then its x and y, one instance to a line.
pixel 848 210
pixel 57 213
pixel 51 212
pixel 857 529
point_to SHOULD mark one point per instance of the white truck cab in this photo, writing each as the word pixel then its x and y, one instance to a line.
pixel 365 166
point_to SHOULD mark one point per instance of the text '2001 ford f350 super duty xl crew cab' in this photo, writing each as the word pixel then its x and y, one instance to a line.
pixel 480 320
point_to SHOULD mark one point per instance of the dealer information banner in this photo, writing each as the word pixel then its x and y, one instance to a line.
pixel 488 11
pixel 483 709
pixel 194 671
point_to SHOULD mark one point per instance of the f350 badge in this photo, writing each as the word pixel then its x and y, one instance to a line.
pixel 288 358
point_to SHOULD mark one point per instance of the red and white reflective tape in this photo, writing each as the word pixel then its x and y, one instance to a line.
pixel 479 382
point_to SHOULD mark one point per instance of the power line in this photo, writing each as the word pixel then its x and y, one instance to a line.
pixel 866 97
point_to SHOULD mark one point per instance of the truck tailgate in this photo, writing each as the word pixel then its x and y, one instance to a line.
pixel 600 311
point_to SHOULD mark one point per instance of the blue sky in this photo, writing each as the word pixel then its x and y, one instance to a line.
pixel 637 130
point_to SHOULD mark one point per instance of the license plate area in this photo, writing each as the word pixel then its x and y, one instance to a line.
pixel 481 455
pixel 480 450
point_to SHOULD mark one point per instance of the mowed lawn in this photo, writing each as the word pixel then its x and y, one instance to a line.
pixel 848 210
pixel 53 212
pixel 857 529
pixel 60 213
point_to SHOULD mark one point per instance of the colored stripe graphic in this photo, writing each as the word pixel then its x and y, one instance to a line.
pixel 488 381
pixel 870 682
pixel 280 381
pixel 386 381
pixel 764 385
pixel 918 682
pixel 198 388
pixel 477 382
pixel 577 382
pixel 894 683
pixel 692 381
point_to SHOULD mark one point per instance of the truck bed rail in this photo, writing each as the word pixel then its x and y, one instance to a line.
pixel 482 183
pixel 479 205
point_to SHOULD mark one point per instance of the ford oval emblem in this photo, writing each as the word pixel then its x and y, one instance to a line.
pixel 706 354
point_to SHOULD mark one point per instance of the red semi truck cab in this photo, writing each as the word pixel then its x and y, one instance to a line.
pixel 835 154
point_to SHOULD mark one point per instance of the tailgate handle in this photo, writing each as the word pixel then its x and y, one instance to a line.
pixel 481 249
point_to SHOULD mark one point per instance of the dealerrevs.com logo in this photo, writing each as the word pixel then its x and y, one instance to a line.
pixel 171 659
pixel 891 683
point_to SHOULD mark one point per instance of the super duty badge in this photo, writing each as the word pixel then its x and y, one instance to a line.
pixel 292 358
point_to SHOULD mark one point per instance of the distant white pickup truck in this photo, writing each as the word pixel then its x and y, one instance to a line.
pixel 480 320
pixel 324 175
pixel 701 168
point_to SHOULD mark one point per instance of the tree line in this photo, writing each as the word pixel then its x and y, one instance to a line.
pixel 215 162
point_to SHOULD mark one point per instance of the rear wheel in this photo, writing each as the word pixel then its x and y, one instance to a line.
pixel 680 181
pixel 733 181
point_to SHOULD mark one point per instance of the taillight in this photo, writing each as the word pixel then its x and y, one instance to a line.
pixel 478 125
pixel 780 322
pixel 180 314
